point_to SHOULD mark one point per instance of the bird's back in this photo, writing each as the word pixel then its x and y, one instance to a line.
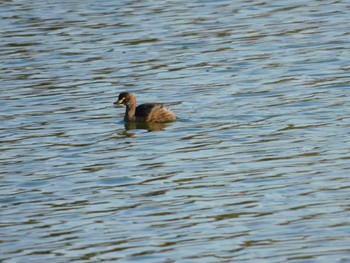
pixel 154 112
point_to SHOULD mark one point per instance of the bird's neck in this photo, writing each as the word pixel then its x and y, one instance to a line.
pixel 130 111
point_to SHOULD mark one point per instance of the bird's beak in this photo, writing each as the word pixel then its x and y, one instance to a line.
pixel 118 102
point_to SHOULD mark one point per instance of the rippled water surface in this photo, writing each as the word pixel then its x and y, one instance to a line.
pixel 255 169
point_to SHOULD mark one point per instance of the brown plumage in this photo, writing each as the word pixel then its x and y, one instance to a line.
pixel 147 112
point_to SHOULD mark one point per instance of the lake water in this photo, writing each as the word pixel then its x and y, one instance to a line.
pixel 255 169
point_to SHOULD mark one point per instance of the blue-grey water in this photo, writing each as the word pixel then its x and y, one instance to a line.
pixel 255 169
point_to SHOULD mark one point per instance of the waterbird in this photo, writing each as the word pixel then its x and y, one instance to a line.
pixel 147 112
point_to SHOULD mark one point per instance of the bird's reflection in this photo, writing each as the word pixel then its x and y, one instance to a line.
pixel 130 127
pixel 145 126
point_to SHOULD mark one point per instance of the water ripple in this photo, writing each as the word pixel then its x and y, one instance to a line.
pixel 254 169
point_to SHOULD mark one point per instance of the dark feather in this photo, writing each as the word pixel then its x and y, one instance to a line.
pixel 144 110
